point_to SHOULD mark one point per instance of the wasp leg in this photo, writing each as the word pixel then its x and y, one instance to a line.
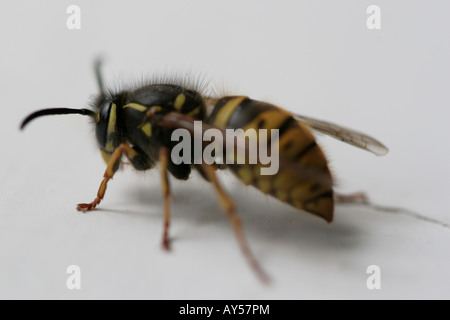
pixel 164 160
pixel 111 168
pixel 227 205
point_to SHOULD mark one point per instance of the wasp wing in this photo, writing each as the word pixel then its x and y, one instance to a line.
pixel 349 136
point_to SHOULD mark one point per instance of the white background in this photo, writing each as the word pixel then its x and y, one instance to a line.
pixel 315 58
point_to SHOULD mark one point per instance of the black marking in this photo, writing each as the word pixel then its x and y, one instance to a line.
pixel 105 151
pixel 261 123
pixel 305 150
pixel 286 125
pixel 141 161
pixel 247 111
pixel 180 171
pixel 315 187
pixel 219 105
pixel 288 145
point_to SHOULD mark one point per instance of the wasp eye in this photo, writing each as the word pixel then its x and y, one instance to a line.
pixel 101 129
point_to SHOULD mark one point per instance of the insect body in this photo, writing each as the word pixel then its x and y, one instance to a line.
pixel 139 124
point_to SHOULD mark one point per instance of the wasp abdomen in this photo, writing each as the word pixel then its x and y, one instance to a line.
pixel 301 183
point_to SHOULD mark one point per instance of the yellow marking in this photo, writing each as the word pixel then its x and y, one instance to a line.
pixel 179 101
pixel 227 110
pixel 245 174
pixel 298 204
pixel 314 158
pixel 195 111
pixel 136 106
pixel 282 196
pixel 102 189
pixel 284 180
pixel 109 146
pixel 105 156
pixel 131 153
pixel 152 110
pixel 296 141
pixel 109 172
pixel 273 119
pixel 257 170
pixel 112 120
pixel 301 192
pixel 97 117
pixel 147 129
pixel 265 184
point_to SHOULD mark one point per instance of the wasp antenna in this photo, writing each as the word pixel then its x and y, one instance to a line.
pixel 98 75
pixel 55 111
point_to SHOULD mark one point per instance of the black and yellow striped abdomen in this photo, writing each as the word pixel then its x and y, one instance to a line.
pixel 303 179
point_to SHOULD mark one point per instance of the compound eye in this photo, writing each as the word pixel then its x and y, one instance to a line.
pixel 101 129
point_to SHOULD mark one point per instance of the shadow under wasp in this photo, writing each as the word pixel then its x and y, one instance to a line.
pixel 139 122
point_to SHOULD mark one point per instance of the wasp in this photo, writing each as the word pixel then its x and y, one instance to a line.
pixel 138 123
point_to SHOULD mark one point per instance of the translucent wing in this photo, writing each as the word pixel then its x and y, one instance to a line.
pixel 349 136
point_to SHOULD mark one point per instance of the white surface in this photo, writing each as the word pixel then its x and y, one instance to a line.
pixel 317 59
